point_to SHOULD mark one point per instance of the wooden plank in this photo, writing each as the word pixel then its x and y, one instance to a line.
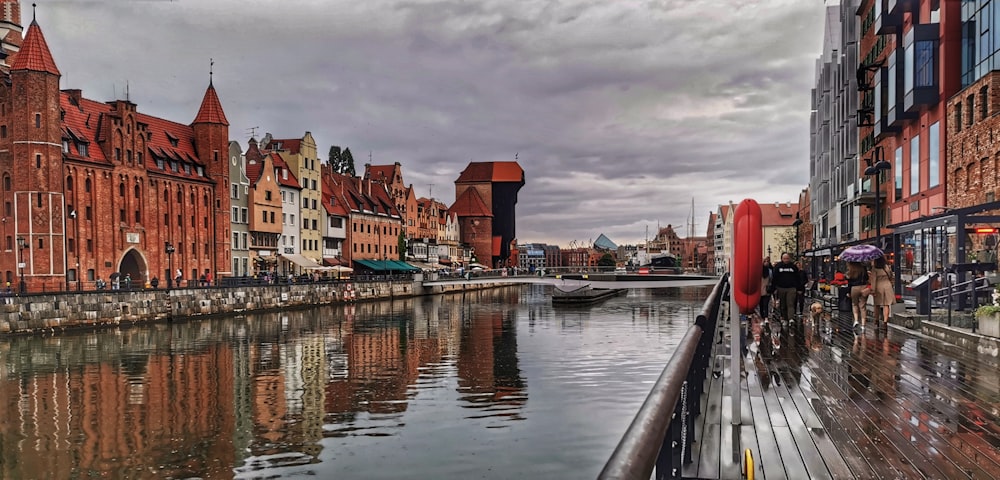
pixel 708 463
pixel 748 439
pixel 767 454
pixel 790 457
pixel 730 467
pixel 808 452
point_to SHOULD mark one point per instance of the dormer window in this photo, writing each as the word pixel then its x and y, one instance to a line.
pixel 66 146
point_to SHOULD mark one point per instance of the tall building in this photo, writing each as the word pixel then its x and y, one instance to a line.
pixel 265 210
pixel 833 167
pixel 239 222
pixel 94 188
pixel 301 157
pixel 493 185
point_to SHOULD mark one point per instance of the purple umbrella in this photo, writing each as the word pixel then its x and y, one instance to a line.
pixel 861 253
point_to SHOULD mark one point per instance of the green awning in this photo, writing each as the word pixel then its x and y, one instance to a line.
pixel 386 265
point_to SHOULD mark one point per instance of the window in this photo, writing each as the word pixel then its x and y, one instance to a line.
pixel 272 217
pixel 314 204
pixel 914 165
pixel 90 245
pixel 6 183
pixel 180 197
pixel 38 120
pixel 69 183
pixel 121 189
pixel 3 131
pixel 65 146
pixel 166 220
pixel 236 240
pixel 180 221
pixel 933 153
pixel 39 199
pixel 38 160
pixel 282 196
pixel 236 192
pixel 264 217
pixel 88 213
pixel 128 156
pixel 314 225
pixel 118 154
pixel 958 117
pixel 305 224
pixel 923 68
pixel 984 107
pixel 41 243
pixel 898 171
pixel 82 148
pixel 293 220
pixel 138 217
pixel 135 192
pixel 244 240
pixel 121 215
pixel 10 243
pixel 267 195
pixel 236 215
pixel 243 215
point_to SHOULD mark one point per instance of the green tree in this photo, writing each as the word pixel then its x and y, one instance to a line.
pixel 606 260
pixel 347 163
pixel 334 158
pixel 401 246
pixel 786 243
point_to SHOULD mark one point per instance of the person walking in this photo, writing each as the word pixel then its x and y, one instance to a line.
pixel 882 290
pixel 764 307
pixel 786 285
pixel 857 281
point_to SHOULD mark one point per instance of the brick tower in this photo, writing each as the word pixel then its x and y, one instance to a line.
pixel 211 139
pixel 34 204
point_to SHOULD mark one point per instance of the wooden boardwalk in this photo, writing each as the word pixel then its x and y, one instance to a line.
pixel 819 402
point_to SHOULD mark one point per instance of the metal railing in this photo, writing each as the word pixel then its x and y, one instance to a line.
pixel 662 431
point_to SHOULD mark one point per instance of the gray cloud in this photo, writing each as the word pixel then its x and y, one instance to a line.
pixel 620 112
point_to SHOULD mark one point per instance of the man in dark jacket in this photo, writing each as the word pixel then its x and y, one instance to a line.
pixel 787 284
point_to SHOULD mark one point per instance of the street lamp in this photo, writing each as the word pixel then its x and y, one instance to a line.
pixel 170 264
pixel 76 250
pixel 21 244
pixel 875 172
pixel 796 224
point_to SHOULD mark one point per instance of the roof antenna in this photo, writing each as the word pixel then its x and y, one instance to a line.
pixel 253 132
pixel 126 91
pixel 515 155
pixel 211 65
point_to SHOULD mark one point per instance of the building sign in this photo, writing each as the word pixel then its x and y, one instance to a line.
pixel 132 238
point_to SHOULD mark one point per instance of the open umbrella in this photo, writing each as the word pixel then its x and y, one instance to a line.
pixel 861 253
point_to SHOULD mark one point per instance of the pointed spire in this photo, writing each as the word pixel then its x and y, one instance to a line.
pixel 34 54
pixel 211 109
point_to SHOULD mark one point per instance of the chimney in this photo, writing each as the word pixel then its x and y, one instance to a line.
pixel 74 97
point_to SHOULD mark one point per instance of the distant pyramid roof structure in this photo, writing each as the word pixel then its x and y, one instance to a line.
pixel 34 54
pixel 605 243
pixel 211 109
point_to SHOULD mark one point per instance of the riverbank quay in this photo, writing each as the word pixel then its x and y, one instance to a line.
pixel 52 313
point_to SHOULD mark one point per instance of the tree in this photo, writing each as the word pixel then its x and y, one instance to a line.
pixel 334 158
pixel 401 246
pixel 786 243
pixel 347 163
pixel 606 261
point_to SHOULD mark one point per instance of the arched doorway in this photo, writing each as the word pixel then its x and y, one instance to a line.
pixel 133 264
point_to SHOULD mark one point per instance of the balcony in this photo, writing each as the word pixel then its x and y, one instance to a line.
pixel 867 194
pixel 920 67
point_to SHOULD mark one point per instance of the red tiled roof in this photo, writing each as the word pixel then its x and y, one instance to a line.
pixel 333 199
pixel 360 194
pixel 211 109
pixel 255 162
pixel 291 145
pixel 82 123
pixel 34 54
pixel 491 172
pixel 382 173
pixel 780 215
pixel 470 204
pixel 283 180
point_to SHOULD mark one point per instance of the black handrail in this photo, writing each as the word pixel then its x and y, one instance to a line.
pixel 653 438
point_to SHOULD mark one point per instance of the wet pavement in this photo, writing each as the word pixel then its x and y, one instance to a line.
pixel 819 401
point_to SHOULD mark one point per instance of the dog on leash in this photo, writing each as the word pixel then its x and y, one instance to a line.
pixel 816 311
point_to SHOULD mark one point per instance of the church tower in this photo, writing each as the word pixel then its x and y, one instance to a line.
pixel 34 205
pixel 211 142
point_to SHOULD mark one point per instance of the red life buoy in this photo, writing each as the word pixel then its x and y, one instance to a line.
pixel 747 259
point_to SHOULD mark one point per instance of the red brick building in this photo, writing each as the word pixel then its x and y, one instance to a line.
pixel 495 186
pixel 99 187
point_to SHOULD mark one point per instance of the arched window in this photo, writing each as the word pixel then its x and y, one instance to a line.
pixel 166 195
pixel 121 189
pixel 6 183
pixel 192 198
pixel 180 196
pixel 69 183
pixel 86 185
pixel 204 199
pixel 136 191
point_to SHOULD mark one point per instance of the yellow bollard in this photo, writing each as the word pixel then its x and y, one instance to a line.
pixel 748 464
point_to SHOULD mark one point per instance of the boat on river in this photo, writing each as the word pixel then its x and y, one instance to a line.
pixel 584 295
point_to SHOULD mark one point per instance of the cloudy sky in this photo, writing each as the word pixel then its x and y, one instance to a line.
pixel 620 112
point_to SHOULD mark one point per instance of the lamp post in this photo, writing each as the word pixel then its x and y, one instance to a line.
pixel 796 224
pixel 21 245
pixel 169 249
pixel 875 172
pixel 76 250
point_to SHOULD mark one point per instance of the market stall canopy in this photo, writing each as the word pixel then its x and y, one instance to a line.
pixel 301 261
pixel 385 266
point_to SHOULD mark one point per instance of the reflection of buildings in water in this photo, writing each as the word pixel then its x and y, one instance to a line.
pixel 93 418
pixel 488 370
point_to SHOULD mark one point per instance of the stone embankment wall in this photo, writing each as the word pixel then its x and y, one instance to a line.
pixel 64 311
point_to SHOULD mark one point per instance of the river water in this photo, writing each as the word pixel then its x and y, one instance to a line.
pixel 489 384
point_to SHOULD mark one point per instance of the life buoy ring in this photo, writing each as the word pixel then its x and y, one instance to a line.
pixel 747 259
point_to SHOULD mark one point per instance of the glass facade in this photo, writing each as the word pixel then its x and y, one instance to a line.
pixel 934 153
pixel 980 38
pixel 915 165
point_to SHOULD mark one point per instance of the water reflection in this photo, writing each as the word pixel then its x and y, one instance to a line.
pixel 323 390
